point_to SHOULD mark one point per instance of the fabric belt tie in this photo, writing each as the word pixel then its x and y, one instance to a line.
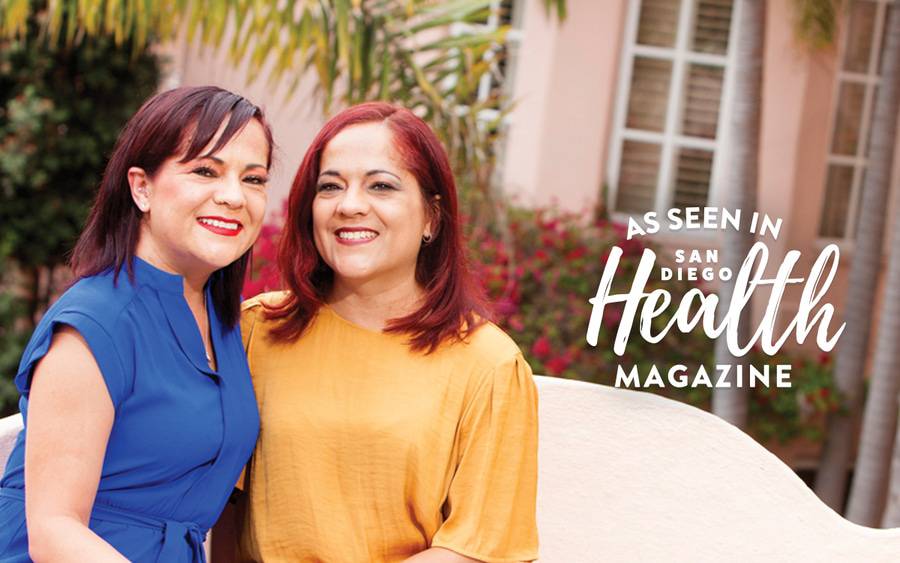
pixel 175 533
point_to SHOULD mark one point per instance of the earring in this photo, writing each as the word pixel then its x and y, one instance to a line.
pixel 143 205
pixel 426 239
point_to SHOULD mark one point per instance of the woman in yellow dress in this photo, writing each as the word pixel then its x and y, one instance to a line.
pixel 396 422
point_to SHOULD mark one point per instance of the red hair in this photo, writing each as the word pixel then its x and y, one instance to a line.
pixel 454 304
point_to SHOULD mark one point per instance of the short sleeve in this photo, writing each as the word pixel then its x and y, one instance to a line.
pixel 250 312
pixel 490 509
pixel 99 342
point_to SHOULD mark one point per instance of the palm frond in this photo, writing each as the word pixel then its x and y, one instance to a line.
pixel 816 21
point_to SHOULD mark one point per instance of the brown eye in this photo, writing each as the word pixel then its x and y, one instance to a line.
pixel 204 171
pixel 257 180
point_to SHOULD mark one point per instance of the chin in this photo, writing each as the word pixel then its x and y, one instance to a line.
pixel 356 271
pixel 352 275
pixel 217 261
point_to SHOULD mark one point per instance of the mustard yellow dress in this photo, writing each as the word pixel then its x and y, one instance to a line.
pixel 371 452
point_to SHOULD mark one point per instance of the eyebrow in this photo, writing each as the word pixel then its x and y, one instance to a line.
pixel 222 162
pixel 369 173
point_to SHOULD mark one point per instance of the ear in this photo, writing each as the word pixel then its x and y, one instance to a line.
pixel 140 188
pixel 433 224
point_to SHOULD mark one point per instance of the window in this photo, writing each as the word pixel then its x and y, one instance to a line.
pixel 667 134
pixel 501 57
pixel 857 83
pixel 498 80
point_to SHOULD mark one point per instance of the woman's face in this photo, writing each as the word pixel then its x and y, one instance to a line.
pixel 369 215
pixel 202 215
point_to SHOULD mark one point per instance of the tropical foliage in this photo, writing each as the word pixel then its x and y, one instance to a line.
pixel 429 55
pixel 61 109
pixel 816 21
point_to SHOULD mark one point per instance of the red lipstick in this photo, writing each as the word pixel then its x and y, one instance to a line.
pixel 221 225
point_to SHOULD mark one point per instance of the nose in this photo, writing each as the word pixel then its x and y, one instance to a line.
pixel 230 193
pixel 353 202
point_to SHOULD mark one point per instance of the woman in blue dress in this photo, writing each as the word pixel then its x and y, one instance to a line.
pixel 139 411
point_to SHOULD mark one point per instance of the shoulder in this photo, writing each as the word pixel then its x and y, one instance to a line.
pixel 489 342
pixel 94 308
pixel 490 351
pixel 257 304
pixel 98 298
pixel 497 374
pixel 253 318
pixel 253 309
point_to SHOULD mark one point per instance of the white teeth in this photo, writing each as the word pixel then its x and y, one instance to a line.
pixel 357 235
pixel 220 224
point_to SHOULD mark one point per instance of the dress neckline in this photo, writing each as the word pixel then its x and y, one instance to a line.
pixel 146 273
pixel 180 317
pixel 359 328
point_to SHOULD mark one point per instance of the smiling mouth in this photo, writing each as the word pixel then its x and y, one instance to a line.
pixel 220 226
pixel 355 236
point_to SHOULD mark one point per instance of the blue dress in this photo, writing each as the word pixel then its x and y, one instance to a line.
pixel 182 432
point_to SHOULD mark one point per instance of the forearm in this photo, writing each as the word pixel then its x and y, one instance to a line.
pixel 62 539
pixel 440 555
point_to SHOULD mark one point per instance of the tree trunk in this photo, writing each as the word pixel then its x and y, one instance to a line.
pixel 831 482
pixel 892 513
pixel 868 493
pixel 731 404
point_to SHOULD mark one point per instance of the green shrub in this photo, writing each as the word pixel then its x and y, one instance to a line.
pixel 61 110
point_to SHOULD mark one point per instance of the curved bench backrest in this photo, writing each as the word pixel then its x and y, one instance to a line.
pixel 629 476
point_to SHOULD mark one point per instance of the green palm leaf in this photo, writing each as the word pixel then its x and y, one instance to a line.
pixel 397 50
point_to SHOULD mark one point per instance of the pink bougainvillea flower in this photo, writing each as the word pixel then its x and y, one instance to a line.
pixel 612 315
pixel 541 347
pixel 576 253
pixel 557 365
pixel 505 306
pixel 252 288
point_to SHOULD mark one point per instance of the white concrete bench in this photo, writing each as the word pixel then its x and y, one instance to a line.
pixel 629 476
pixel 9 430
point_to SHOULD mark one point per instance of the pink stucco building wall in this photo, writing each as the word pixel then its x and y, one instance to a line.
pixel 557 149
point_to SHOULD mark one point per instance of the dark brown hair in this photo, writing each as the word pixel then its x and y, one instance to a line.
pixel 454 305
pixel 183 120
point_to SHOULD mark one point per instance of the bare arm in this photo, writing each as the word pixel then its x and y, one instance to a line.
pixel 439 555
pixel 70 416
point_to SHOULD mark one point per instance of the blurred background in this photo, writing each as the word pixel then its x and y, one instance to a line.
pixel 562 119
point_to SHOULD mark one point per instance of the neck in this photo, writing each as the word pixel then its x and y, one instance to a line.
pixel 371 305
pixel 194 282
pixel 195 297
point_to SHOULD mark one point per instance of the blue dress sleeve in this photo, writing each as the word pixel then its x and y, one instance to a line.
pixel 99 341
